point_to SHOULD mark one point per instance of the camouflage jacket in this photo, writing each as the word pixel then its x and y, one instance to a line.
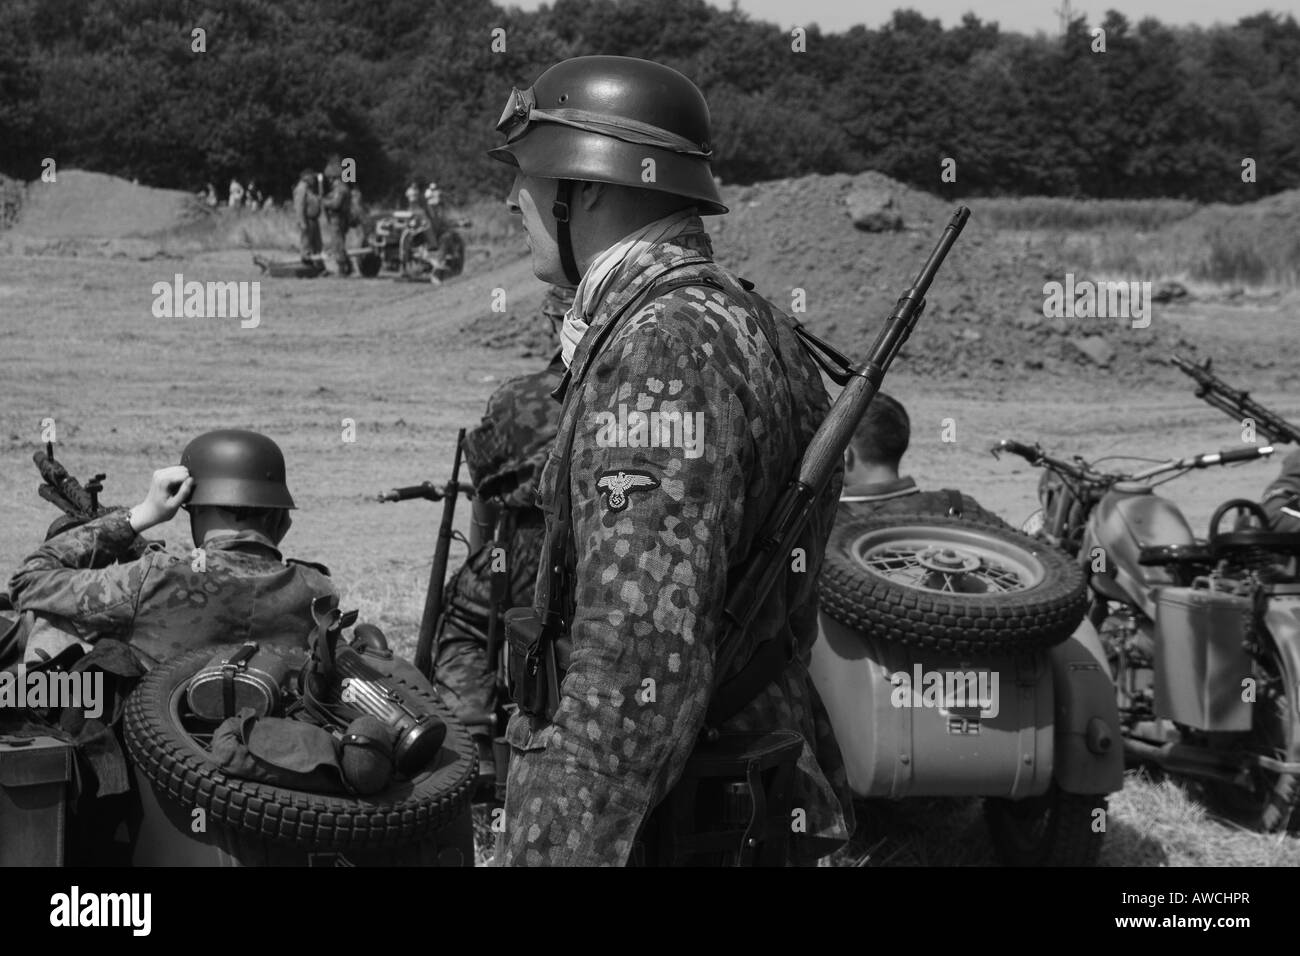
pixel 164 601
pixel 505 455
pixel 336 203
pixel 507 450
pixel 653 562
pixel 1284 492
pixel 904 497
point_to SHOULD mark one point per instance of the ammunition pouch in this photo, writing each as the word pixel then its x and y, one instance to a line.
pixel 731 807
pixel 533 673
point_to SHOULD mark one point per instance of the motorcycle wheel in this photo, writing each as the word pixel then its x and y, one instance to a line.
pixel 369 264
pixel 1269 802
pixel 170 751
pixel 950 585
pixel 1055 829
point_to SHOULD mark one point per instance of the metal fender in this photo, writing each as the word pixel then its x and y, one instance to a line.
pixel 1089 747
pixel 1282 618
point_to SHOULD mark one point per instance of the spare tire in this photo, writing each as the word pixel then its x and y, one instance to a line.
pixel 950 585
pixel 181 771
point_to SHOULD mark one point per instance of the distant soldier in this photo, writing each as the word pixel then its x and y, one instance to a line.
pixel 443 237
pixel 235 198
pixel 337 206
pixel 872 484
pixel 233 586
pixel 306 209
pixel 414 196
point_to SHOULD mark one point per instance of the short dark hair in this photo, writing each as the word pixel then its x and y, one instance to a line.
pixel 884 432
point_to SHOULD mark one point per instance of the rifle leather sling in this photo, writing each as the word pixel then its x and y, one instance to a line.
pixel 555 595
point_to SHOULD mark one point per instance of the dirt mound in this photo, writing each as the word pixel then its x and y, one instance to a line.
pixel 984 317
pixel 84 205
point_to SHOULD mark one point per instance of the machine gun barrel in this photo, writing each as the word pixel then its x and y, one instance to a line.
pixel 1237 403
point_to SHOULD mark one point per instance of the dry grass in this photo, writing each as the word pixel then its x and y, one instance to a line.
pixel 1154 821
pixel 1050 212
pixel 1159 239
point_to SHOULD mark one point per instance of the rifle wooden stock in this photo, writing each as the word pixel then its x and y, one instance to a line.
pixel 438 573
pixel 822 457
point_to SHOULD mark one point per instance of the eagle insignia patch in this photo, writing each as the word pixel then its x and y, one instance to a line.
pixel 617 485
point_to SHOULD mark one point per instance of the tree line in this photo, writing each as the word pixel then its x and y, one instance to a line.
pixel 414 87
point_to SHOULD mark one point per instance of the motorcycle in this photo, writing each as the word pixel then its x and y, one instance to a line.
pixel 1201 636
pixel 953 660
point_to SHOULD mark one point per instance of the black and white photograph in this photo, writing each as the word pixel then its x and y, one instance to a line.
pixel 650 433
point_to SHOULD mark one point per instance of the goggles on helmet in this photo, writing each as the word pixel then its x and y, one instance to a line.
pixel 521 110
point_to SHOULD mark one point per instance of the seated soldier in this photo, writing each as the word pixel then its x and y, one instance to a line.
pixel 97 596
pixel 234 586
pixel 1281 499
pixel 871 481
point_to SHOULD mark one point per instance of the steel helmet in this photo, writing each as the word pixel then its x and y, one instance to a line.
pixel 597 118
pixel 236 469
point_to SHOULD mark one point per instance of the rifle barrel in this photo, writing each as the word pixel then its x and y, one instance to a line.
pixel 438 573
pixel 824 452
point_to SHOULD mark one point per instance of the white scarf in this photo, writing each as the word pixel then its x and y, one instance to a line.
pixel 609 264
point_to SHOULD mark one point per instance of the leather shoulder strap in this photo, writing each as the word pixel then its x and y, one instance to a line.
pixel 559 538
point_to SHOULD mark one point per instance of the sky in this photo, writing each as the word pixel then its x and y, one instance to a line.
pixel 1014 16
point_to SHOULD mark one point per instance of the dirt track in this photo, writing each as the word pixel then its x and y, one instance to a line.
pixel 127 390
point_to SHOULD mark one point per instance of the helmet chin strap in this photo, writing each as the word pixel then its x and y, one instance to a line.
pixel 560 210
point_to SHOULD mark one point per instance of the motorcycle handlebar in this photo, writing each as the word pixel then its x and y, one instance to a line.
pixel 1244 453
pixel 1035 456
pixel 1081 471
pixel 1028 453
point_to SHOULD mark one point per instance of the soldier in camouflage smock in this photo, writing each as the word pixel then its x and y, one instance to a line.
pixel 1281 499
pixel 234 587
pixel 505 454
pixel 688 422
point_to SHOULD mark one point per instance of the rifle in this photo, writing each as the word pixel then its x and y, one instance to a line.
pixel 825 451
pixel 1271 427
pixel 79 503
pixel 438 573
